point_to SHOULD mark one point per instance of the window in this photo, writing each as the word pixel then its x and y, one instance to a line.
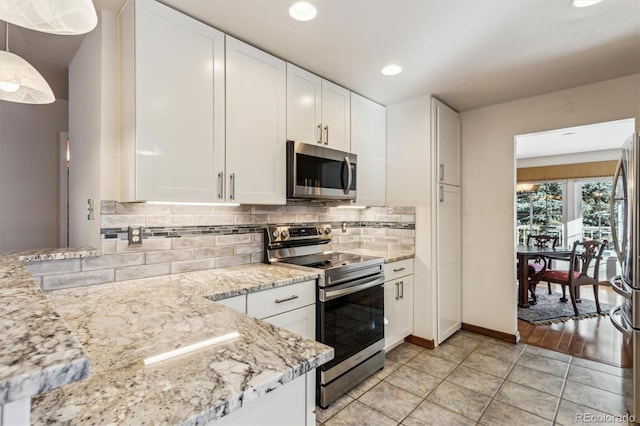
pixel 540 210
pixel 595 210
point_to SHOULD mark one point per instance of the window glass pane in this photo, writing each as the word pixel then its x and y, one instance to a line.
pixel 540 211
pixel 595 210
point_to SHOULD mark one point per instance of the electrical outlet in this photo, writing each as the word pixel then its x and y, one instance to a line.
pixel 135 236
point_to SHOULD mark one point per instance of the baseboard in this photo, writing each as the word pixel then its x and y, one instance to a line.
pixel 420 341
pixel 511 338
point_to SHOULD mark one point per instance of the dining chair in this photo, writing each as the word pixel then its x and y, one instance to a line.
pixel 583 254
pixel 538 266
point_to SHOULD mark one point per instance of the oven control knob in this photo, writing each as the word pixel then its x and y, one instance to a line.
pixel 327 231
pixel 284 234
pixel 275 234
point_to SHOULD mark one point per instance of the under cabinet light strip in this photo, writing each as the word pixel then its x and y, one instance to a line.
pixel 190 348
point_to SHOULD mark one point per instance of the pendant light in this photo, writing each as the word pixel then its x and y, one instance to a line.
pixel 19 80
pixel 63 17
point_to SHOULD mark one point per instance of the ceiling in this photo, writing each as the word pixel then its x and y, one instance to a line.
pixel 575 140
pixel 468 53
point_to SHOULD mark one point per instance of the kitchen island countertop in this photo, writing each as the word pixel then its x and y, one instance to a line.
pixel 122 323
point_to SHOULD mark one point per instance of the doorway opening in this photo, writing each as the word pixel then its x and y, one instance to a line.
pixel 564 179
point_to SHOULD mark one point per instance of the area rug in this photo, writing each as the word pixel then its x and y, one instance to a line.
pixel 550 309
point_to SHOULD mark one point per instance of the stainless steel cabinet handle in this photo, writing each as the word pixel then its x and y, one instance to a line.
pixel 319 138
pixel 326 132
pixel 349 175
pixel 220 185
pixel 399 269
pixel 441 172
pixel 441 193
pixel 397 297
pixel 232 180
pixel 401 289
pixel 286 299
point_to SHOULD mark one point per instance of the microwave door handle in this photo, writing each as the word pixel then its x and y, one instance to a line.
pixel 612 215
pixel 349 175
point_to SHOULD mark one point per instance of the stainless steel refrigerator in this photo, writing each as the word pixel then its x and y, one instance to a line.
pixel 625 227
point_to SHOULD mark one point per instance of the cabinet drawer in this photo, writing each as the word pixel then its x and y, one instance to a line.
pixel 398 269
pixel 300 321
pixel 281 299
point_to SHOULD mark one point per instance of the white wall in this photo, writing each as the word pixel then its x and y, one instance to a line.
pixel 92 129
pixel 488 178
pixel 29 174
pixel 409 184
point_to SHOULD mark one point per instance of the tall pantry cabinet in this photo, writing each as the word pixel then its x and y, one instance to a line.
pixel 445 129
pixel 423 171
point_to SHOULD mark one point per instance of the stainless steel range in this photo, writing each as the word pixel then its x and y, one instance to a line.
pixel 350 304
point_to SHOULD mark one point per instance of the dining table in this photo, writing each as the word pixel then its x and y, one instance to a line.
pixel 524 253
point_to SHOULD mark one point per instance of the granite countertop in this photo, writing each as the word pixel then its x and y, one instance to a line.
pixel 120 324
pixel 389 256
pixel 38 352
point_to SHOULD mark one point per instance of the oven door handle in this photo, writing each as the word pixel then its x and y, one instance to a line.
pixel 327 295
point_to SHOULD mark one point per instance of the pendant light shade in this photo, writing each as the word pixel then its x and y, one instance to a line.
pixel 20 82
pixel 64 17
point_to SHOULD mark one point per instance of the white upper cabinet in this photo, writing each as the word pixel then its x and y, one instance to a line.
pixel 368 142
pixel 318 111
pixel 447 132
pixel 256 125
pixel 172 105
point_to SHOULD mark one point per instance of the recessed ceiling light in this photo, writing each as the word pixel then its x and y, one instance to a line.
pixel 391 69
pixel 302 11
pixel 584 3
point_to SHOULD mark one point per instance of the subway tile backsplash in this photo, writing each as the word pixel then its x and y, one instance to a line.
pixel 182 238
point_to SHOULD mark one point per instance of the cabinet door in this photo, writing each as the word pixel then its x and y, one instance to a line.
pixel 336 113
pixel 404 311
pixel 256 131
pixel 304 115
pixel 301 321
pixel 179 96
pixel 447 131
pixel 368 142
pixel 449 261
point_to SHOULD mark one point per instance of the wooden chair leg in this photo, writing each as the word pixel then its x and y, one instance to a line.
pixel 564 293
pixel 595 293
pixel 572 293
pixel 549 286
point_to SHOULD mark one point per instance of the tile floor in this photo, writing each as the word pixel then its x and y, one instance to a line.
pixel 473 379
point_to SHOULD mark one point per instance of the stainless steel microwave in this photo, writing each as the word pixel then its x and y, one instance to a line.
pixel 320 173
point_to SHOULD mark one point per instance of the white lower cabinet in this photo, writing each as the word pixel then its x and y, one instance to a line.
pixel 292 307
pixel 398 302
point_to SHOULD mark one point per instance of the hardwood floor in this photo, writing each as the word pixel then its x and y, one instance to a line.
pixel 591 338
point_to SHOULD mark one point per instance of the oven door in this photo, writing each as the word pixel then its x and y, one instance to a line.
pixel 351 320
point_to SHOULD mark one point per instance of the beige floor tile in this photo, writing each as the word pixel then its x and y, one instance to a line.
pixel 430 414
pixel 544 364
pixel 534 350
pixel 460 400
pixel 389 367
pixel 597 379
pixel 528 399
pixel 501 414
pixel 404 352
pixel 465 340
pixel 536 379
pixel 475 380
pixel 591 397
pixel 450 352
pixel 501 350
pixel 324 414
pixel 570 413
pixel 432 364
pixel 358 414
pixel 415 381
pixel 363 387
pixel 616 371
pixel 390 400
pixel 487 364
